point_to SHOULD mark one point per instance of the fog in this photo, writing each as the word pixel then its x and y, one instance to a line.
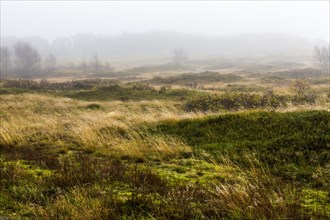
pixel 158 44
pixel 52 19
pixel 153 29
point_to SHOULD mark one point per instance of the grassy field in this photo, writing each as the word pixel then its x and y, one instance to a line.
pixel 181 147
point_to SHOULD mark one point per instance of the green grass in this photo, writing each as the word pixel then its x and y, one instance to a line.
pixel 247 165
pixel 236 101
pixel 316 201
pixel 8 91
pixel 238 88
pixel 39 183
pixel 292 144
pixel 97 90
pixel 88 187
pixel 203 77
pixel 132 92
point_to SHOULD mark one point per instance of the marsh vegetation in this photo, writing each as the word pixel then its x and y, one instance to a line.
pixel 164 110
pixel 183 146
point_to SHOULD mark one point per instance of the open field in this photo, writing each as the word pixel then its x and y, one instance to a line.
pixel 181 146
pixel 164 110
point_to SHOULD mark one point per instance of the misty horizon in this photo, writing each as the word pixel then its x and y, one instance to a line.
pixel 160 44
pixel 150 32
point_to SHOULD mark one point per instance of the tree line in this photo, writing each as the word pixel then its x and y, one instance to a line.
pixel 24 61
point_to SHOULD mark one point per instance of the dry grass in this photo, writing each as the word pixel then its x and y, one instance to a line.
pixel 85 186
pixel 62 122
pixel 34 118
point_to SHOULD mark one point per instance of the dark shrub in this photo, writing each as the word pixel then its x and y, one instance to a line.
pixel 93 106
pixel 232 101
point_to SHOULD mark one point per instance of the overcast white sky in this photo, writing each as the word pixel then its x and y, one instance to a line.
pixel 52 19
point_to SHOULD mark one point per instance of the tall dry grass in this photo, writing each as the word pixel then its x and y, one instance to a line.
pixel 33 119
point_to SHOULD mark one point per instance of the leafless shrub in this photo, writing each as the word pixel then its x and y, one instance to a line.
pixel 322 55
pixel 27 59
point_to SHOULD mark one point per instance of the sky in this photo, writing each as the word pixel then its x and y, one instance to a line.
pixel 52 19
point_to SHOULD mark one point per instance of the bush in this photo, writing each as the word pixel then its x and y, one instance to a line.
pixel 232 101
pixel 304 99
pixel 300 87
pixel 93 106
pixel 193 79
pixel 46 85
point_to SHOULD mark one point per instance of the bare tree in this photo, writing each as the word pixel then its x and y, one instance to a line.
pixel 83 65
pixel 5 60
pixel 108 67
pixel 322 55
pixel 27 59
pixel 95 61
pixel 50 62
pixel 300 87
pixel 179 56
